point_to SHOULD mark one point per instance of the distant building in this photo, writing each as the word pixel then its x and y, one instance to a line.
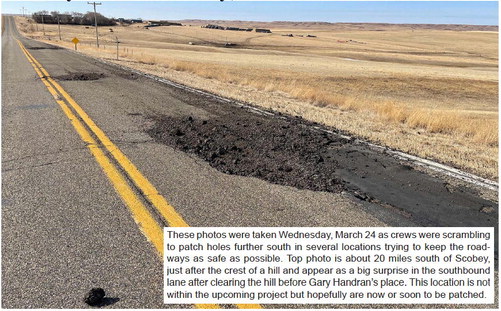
pixel 211 26
pixel 162 23
pixel 263 30
pixel 235 29
pixel 129 21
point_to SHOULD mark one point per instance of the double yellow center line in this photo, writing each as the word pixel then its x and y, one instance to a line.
pixel 151 229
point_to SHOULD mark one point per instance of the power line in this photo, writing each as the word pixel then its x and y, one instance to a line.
pixel 95 20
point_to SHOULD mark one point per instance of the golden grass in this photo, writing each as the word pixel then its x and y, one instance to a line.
pixel 431 93
pixel 432 120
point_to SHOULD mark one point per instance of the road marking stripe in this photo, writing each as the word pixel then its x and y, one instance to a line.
pixel 249 306
pixel 170 215
pixel 166 210
pixel 140 213
pixel 207 306
pixel 143 218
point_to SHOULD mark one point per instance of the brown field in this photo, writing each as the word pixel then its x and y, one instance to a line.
pixel 431 91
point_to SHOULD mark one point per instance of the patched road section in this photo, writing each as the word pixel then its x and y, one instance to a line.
pixel 290 151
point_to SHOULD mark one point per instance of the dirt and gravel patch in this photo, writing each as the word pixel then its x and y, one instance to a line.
pixel 81 76
pixel 281 151
pixel 53 47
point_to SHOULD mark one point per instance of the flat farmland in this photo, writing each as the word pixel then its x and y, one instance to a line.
pixel 429 90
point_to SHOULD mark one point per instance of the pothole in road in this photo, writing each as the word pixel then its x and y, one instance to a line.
pixel 44 48
pixel 81 76
pixel 279 151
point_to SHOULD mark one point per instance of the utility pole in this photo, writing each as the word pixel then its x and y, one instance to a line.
pixel 59 26
pixel 23 10
pixel 43 26
pixel 95 20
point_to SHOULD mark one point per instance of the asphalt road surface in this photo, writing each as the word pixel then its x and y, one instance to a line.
pixel 75 180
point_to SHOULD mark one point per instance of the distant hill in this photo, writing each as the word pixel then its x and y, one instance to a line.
pixel 340 26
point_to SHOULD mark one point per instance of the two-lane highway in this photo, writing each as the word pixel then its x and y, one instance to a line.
pixel 86 187
pixel 61 220
pixel 68 219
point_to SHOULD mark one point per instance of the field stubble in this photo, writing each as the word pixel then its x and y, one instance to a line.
pixel 427 92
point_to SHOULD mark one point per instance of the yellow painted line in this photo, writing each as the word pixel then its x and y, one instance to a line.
pixel 249 306
pixel 140 213
pixel 151 193
pixel 156 199
pixel 207 306
pixel 168 212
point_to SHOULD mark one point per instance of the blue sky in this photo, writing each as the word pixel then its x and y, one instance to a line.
pixel 428 12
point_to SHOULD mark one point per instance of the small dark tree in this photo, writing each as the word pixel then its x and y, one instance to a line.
pixel 88 19
pixel 37 16
pixel 73 18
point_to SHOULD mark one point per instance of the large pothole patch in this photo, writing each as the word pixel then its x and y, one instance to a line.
pixel 81 76
pixel 281 151
pixel 44 48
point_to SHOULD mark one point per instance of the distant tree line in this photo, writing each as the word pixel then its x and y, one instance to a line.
pixel 73 18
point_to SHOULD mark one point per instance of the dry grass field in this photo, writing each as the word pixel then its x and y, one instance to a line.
pixel 429 91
